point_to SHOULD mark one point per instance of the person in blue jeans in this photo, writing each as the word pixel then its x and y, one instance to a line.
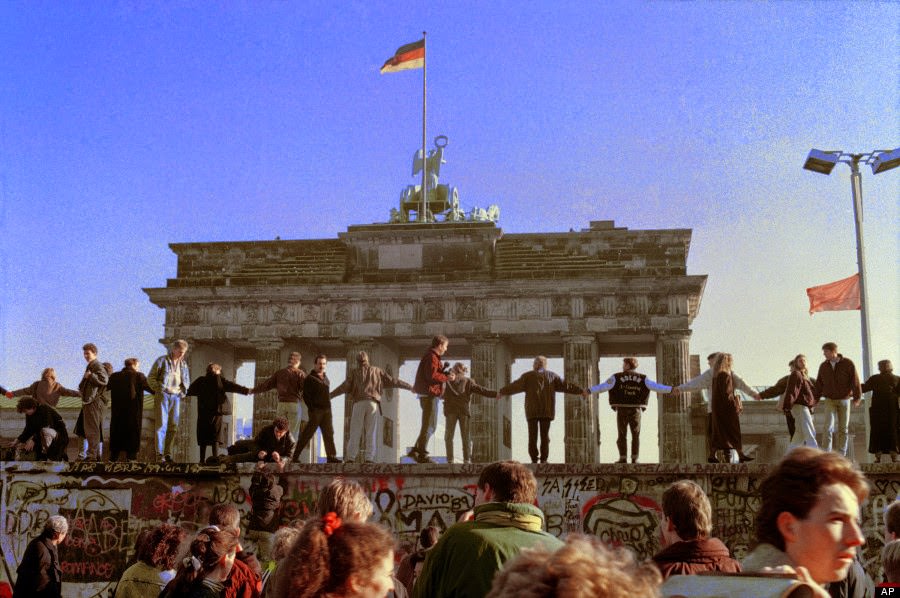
pixel 169 378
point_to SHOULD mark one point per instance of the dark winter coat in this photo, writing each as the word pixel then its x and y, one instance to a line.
pixel 212 404
pixel 45 416
pixel 126 390
pixel 39 573
pixel 458 395
pixel 540 388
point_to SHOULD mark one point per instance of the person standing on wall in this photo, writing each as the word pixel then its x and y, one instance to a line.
pixel 169 378
pixel 126 389
pixel 540 386
pixel 629 391
pixel 457 398
pixel 212 407
pixel 364 387
pixel 93 401
pixel 429 385
pixel 884 415
pixel 704 381
pixel 315 395
pixel 836 382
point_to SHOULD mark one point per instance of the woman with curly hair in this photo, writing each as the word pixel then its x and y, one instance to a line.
pixel 337 559
pixel 583 568
pixel 156 550
pixel 204 571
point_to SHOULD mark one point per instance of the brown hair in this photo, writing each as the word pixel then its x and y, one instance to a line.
pixel 583 568
pixel 225 515
pixel 631 362
pixel 794 486
pixel 131 362
pixel 26 403
pixel 90 347
pixel 158 546
pixel 346 498
pixel 829 346
pixel 49 374
pixel 439 340
pixel 323 560
pixel 510 481
pixel 892 518
pixel 281 423
pixel 208 548
pixel 890 561
pixel 686 505
pixel 212 367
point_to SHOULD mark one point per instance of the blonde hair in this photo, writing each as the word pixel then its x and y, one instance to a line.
pixel 722 363
pixel 804 370
pixel 49 374
pixel 583 568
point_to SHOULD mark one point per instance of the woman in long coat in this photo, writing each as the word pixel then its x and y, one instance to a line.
pixel 212 405
pixel 884 414
pixel 726 423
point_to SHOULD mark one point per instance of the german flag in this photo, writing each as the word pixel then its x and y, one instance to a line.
pixel 410 56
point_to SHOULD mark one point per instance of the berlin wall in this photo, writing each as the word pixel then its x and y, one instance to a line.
pixel 108 504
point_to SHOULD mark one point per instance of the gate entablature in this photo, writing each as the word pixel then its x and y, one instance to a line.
pixel 598 291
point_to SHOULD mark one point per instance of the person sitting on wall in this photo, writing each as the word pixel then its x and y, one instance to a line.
pixel 45 431
pixel 273 444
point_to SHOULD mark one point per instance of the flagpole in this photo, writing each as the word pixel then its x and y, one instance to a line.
pixel 424 211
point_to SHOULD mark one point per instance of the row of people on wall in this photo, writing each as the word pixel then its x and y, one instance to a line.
pixel 807 541
pixel 836 386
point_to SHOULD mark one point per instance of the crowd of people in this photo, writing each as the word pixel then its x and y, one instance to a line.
pixel 834 389
pixel 806 533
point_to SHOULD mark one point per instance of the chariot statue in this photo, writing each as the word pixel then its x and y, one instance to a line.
pixel 441 201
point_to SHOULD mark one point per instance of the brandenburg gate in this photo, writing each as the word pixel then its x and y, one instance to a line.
pixel 389 288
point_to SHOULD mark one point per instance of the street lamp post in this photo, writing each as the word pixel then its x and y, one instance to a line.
pixel 881 160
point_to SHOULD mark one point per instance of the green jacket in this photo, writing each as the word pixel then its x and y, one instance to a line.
pixel 465 559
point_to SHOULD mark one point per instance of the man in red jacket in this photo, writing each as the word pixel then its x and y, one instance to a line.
pixel 429 385
pixel 685 527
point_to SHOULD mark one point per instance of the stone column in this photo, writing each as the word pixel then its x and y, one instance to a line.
pixel 353 347
pixel 491 422
pixel 673 367
pixel 268 361
pixel 582 438
pixel 387 437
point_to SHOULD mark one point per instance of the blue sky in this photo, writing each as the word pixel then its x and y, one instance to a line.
pixel 125 126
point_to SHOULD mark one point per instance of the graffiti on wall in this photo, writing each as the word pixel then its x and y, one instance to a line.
pixel 108 509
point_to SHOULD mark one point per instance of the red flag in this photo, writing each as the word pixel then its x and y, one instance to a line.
pixel 839 295
pixel 410 56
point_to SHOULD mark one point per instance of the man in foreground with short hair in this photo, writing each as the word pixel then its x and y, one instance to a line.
pixel 809 518
pixel 892 522
pixel 685 527
pixel 468 555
